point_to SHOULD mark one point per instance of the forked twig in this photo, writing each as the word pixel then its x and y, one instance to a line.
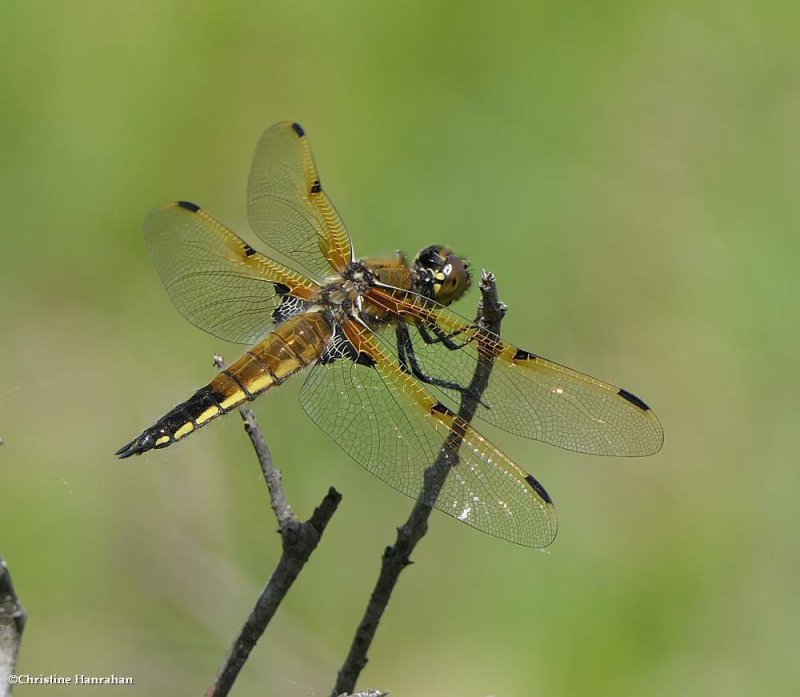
pixel 299 541
pixel 397 557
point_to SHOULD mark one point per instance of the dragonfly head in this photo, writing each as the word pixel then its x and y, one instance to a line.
pixel 441 274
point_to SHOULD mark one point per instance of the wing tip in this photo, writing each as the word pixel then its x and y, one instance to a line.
pixel 551 536
pixel 657 431
pixel 547 534
pixel 298 129
pixel 659 436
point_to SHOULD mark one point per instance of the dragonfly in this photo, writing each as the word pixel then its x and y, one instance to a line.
pixel 387 360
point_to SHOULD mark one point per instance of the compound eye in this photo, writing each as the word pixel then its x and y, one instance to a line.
pixel 429 258
pixel 452 281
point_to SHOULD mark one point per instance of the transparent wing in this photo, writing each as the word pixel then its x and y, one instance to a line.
pixel 387 422
pixel 527 395
pixel 288 208
pixel 216 280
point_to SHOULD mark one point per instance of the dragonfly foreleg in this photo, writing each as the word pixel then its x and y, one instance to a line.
pixel 408 359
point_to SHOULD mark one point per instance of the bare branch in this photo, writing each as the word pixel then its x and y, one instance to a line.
pixel 397 557
pixel 299 541
pixel 12 622
pixel 283 512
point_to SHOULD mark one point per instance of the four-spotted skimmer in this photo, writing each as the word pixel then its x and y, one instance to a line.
pixel 387 360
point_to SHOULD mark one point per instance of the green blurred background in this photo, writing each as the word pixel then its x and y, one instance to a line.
pixel 631 173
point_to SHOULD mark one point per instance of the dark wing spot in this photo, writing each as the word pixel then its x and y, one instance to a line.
pixel 280 288
pixel 633 399
pixel 248 250
pixel 523 355
pixel 297 128
pixel 316 187
pixel 538 488
pixel 442 409
pixel 188 206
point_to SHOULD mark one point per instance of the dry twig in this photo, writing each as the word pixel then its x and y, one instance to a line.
pixel 397 557
pixel 299 541
pixel 12 622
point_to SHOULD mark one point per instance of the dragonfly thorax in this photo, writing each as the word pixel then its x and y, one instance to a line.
pixel 359 275
pixel 344 293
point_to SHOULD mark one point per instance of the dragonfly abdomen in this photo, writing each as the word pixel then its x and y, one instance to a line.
pixel 283 352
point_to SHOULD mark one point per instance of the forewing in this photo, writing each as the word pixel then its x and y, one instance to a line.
pixel 527 395
pixel 387 422
pixel 288 208
pixel 216 280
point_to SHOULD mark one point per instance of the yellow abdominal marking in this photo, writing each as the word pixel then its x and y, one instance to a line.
pixel 184 430
pixel 259 384
pixel 236 397
pixel 162 440
pixel 209 413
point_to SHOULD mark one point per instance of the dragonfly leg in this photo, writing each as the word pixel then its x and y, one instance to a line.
pixel 408 359
pixel 442 337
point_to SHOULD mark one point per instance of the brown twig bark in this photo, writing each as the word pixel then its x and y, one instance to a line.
pixel 299 539
pixel 397 557
pixel 12 622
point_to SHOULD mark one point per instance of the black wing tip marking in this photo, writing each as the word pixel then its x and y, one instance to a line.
pixel 523 355
pixel 297 128
pixel 316 187
pixel 189 206
pixel 248 250
pixel 137 446
pixel 633 399
pixel 538 488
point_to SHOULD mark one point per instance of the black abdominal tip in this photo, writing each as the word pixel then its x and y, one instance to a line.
pixel 126 450
pixel 136 447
